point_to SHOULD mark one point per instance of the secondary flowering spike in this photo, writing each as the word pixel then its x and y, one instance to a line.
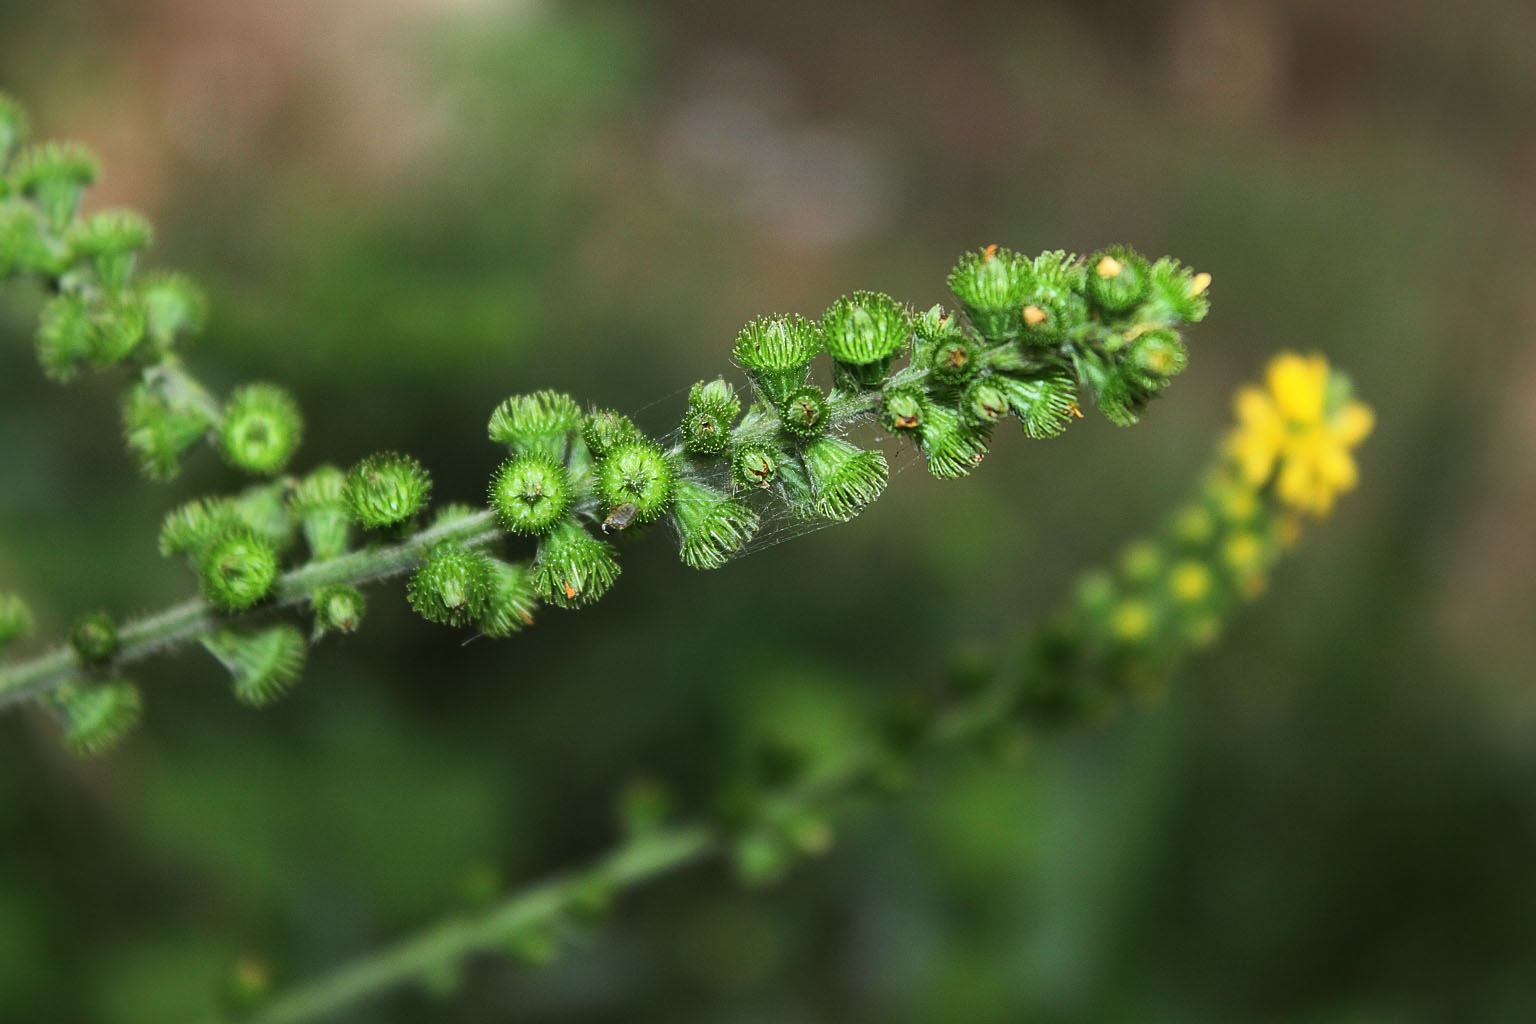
pixel 572 568
pixel 262 428
pixel 386 489
pixel 776 351
pixel 530 493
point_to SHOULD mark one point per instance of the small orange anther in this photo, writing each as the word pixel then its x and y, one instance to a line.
pixel 1201 282
pixel 989 251
pixel 1033 315
pixel 527 619
pixel 570 591
pixel 1108 267
pixel 906 422
pixel 1075 411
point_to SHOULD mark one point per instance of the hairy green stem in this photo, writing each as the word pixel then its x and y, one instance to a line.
pixel 644 858
pixel 154 634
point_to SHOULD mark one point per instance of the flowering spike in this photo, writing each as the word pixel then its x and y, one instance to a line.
pixel 263 666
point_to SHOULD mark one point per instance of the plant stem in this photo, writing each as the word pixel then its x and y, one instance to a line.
pixel 639 860
pixel 165 630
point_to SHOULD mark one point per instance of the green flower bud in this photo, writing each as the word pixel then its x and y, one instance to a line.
pixel 513 599
pixel 991 285
pixel 13 127
pixel 985 401
pixel 71 330
pixel 1044 404
pixel 24 245
pixel 776 352
pixel 572 568
pixel 864 333
pixel 712 408
pixel 1156 356
pixel 634 481
pixel 191 527
pixel 236 569
pixel 901 409
pixel 173 307
pixel 711 527
pixel 804 413
pixel 55 174
pixel 15 619
pixel 96 718
pixel 339 608
pixel 603 429
pixel 954 361
pixel 94 637
pixel 1177 294
pixel 386 489
pixel 530 493
pixel 159 431
pixel 1117 280
pixel 755 465
pixel 452 586
pixel 953 447
pixel 843 479
pixel 111 240
pixel 262 427
pixel 541 422
pixel 263 666
pixel 319 504
pixel 1193 527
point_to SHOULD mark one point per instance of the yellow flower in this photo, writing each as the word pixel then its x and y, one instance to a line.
pixel 1293 431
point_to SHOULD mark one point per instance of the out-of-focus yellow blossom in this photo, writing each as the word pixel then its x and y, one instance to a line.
pixel 1295 430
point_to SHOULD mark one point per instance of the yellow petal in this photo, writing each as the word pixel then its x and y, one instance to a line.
pixel 1298 383
pixel 1352 424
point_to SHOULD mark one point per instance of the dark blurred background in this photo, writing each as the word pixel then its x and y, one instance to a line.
pixel 408 210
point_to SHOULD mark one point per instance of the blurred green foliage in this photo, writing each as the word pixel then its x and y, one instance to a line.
pixel 407 213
